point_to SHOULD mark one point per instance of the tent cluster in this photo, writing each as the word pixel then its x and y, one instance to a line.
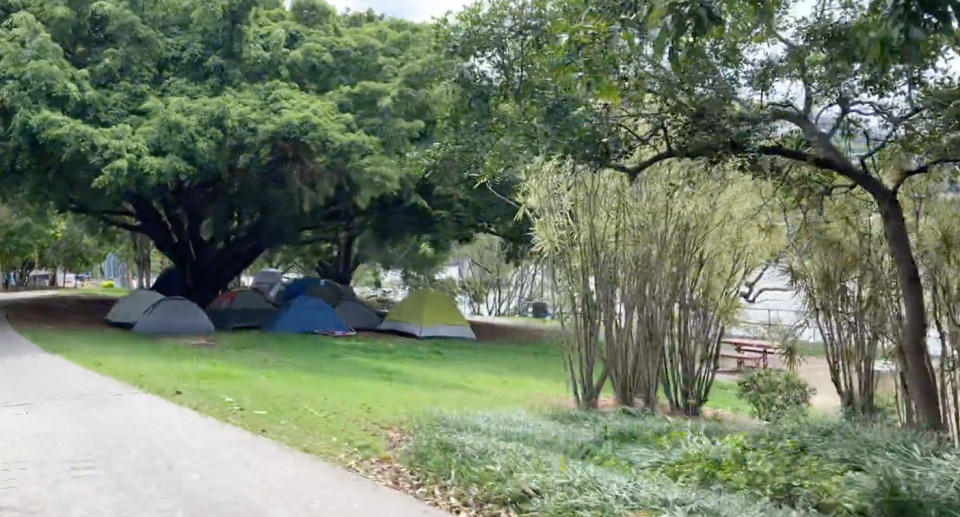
pixel 306 305
pixel 149 312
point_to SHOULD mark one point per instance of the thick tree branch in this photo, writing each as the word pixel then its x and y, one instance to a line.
pixel 923 169
pixel 754 295
pixel 830 158
pixel 634 170
pixel 108 217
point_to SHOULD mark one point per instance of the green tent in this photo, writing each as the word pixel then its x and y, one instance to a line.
pixel 427 313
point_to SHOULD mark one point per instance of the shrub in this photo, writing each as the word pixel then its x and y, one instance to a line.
pixel 775 394
pixel 107 284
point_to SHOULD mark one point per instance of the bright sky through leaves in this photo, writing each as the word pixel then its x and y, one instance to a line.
pixel 416 10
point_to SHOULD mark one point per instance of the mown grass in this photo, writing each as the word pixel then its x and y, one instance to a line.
pixel 108 292
pixel 327 395
pixel 619 463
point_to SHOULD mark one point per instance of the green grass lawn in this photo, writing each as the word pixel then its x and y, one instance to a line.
pixel 109 292
pixel 327 395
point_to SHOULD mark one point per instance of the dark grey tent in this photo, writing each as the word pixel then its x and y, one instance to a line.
pixel 331 292
pixel 325 292
pixel 175 316
pixel 357 315
pixel 243 308
pixel 343 292
pixel 128 310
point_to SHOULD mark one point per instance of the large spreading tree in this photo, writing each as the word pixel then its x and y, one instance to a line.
pixel 218 128
pixel 845 94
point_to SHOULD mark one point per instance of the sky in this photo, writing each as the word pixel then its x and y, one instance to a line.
pixel 416 10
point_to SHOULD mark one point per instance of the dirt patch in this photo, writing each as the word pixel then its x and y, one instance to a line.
pixel 204 343
pixel 60 311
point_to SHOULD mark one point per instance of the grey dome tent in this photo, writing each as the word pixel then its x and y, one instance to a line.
pixel 175 316
pixel 331 292
pixel 265 280
pixel 128 310
pixel 243 308
pixel 344 292
pixel 357 315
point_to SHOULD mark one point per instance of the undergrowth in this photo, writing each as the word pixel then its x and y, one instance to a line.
pixel 576 463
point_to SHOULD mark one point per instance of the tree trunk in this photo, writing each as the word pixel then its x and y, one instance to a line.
pixel 206 266
pixel 344 263
pixel 142 246
pixel 208 273
pixel 919 374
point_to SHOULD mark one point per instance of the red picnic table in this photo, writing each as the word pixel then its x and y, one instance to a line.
pixel 758 350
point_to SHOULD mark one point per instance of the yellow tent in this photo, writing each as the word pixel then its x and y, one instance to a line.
pixel 427 313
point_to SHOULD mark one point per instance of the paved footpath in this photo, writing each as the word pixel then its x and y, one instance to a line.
pixel 74 443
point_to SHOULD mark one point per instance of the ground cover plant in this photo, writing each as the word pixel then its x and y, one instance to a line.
pixel 620 463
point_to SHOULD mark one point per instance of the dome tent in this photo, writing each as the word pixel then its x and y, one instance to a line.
pixel 265 280
pixel 174 315
pixel 128 310
pixel 357 315
pixel 327 290
pixel 341 292
pixel 427 313
pixel 308 315
pixel 242 308
pixel 296 288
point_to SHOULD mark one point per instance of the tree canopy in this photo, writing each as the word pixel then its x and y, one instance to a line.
pixel 221 128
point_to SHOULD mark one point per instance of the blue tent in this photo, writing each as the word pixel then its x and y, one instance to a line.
pixel 306 314
pixel 298 287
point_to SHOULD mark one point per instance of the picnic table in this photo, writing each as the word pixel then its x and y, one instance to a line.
pixel 753 351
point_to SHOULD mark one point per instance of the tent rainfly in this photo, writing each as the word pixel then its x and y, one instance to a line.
pixel 174 315
pixel 127 311
pixel 427 313
pixel 343 292
pixel 243 308
pixel 308 315
pixel 265 280
pixel 295 288
pixel 357 315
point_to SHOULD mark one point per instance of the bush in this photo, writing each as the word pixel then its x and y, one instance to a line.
pixel 107 284
pixel 775 394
